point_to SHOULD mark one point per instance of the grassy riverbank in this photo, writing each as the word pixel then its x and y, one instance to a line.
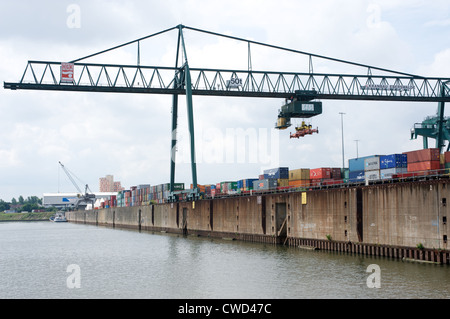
pixel 25 216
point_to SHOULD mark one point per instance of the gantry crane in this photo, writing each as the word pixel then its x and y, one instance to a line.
pixel 301 90
pixel 436 127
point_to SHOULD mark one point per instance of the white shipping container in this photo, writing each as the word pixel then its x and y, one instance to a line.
pixel 388 172
pixel 372 175
pixel 372 163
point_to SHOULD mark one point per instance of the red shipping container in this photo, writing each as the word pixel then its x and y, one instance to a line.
pixel 332 181
pixel 320 173
pixel 423 166
pixel 336 173
pixel 447 157
pixel 428 154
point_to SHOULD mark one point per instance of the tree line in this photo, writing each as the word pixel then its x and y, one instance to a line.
pixel 22 204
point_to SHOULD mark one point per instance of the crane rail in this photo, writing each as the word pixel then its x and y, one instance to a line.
pixel 91 77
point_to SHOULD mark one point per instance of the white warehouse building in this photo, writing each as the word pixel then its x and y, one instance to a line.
pixel 69 200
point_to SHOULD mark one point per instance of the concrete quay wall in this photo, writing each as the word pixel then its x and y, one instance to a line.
pixel 401 220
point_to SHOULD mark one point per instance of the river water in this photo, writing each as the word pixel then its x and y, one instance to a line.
pixel 72 261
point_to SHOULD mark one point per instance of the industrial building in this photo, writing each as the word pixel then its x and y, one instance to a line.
pixel 70 200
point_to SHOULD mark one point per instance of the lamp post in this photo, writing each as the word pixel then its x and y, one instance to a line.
pixel 356 148
pixel 342 129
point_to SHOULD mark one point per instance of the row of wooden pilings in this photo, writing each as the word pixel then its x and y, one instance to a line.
pixel 405 253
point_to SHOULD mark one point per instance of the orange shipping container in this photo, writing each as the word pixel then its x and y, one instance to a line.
pixel 423 166
pixel 447 157
pixel 299 183
pixel 428 154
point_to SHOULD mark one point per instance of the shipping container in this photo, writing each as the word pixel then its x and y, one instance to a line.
pixel 283 182
pixel 372 163
pixel 356 176
pixel 320 173
pixel 277 173
pixel 372 175
pixel 336 173
pixel 393 161
pixel 425 155
pixel 357 164
pixel 447 157
pixel 299 174
pixel 248 183
pixel 424 166
pixel 264 184
pixel 333 181
pixel 299 183
pixel 390 172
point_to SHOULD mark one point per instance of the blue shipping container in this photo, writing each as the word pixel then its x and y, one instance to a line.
pixel 404 160
pixel 357 164
pixel 356 176
pixel 248 183
pixel 392 161
pixel 277 173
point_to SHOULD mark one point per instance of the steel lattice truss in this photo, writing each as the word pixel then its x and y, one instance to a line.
pixel 385 85
pixel 40 75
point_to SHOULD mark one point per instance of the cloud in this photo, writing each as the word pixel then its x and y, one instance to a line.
pixel 128 135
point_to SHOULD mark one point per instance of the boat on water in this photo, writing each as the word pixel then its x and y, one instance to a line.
pixel 59 217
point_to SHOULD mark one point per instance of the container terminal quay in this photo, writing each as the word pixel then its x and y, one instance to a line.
pixel 392 205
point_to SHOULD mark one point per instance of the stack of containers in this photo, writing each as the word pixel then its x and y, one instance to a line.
pixel 228 187
pixel 265 184
pixel 127 198
pixel 273 178
pixel 248 183
pixel 280 174
pixel 372 168
pixel 423 161
pixel 218 189
pixel 299 177
pixel 446 161
pixel 119 199
pixel 319 175
pixel 240 185
pixel 142 194
pixel 335 177
pixel 245 184
pixel 393 164
pixel 356 172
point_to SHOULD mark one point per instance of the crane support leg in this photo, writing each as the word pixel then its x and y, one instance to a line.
pixel 440 136
pixel 190 114
pixel 173 150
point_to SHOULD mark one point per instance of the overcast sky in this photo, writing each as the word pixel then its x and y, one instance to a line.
pixel 129 135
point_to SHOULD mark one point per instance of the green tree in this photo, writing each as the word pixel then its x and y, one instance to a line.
pixel 33 200
pixel 3 205
pixel 29 207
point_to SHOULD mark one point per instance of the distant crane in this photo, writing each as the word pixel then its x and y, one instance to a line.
pixel 82 198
